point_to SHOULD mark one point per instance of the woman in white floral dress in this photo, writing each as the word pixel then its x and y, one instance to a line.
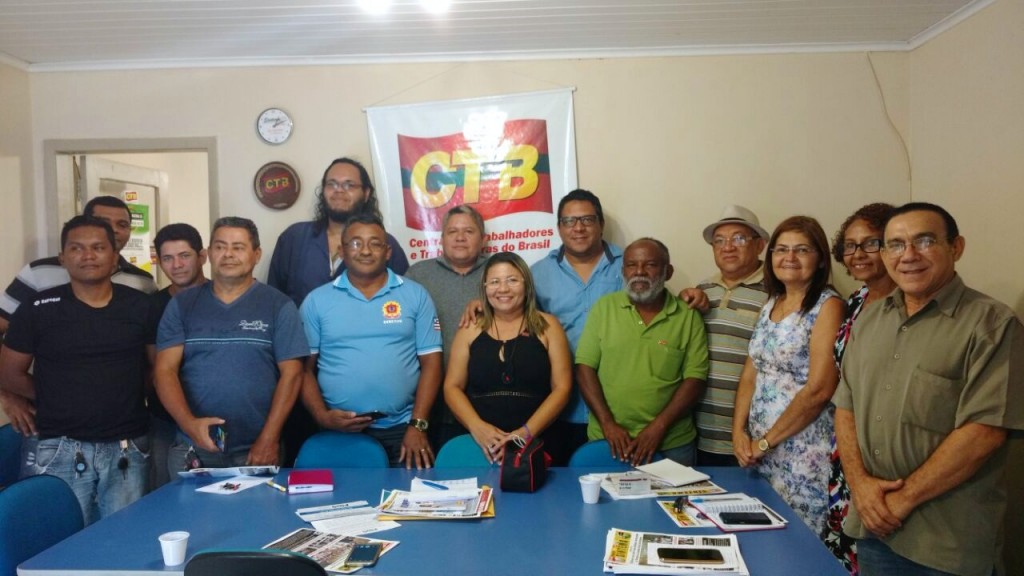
pixel 783 422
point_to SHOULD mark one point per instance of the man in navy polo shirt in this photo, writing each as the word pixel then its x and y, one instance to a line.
pixel 230 354
pixel 375 346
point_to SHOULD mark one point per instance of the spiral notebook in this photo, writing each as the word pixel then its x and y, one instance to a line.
pixel 742 512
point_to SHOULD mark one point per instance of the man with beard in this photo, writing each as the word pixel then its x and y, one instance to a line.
pixel 642 362
pixel 308 254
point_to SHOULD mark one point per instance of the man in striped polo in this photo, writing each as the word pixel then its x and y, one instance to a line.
pixel 735 296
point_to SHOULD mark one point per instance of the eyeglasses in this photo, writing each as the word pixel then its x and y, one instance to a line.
pixel 801 250
pixel 374 245
pixel 570 221
pixel 868 246
pixel 737 240
pixel 921 244
pixel 510 282
pixel 346 186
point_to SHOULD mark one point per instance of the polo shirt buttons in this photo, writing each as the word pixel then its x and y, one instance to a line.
pixel 878 418
pixel 888 386
pixel 903 329
pixel 877 452
pixel 896 356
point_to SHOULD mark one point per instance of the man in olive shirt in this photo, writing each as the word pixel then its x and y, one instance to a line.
pixel 931 386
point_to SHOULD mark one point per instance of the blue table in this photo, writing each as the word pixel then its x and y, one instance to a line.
pixel 548 532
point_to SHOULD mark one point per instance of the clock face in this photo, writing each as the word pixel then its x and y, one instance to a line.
pixel 274 125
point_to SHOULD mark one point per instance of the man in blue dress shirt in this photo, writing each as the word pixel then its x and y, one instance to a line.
pixel 569 281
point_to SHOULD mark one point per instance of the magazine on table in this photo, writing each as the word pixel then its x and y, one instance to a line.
pixel 628 552
pixel 328 550
pixel 443 499
pixel 629 485
pixel 738 512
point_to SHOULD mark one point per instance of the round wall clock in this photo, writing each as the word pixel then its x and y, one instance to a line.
pixel 276 185
pixel 274 125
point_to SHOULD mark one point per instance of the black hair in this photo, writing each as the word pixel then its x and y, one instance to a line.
pixel 581 195
pixel 179 231
pixel 84 221
pixel 238 222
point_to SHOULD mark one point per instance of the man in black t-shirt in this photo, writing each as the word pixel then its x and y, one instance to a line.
pixel 92 344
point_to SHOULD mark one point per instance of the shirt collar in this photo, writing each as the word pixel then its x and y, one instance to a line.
pixel 755 277
pixel 342 283
pixel 946 299
pixel 443 263
pixel 609 254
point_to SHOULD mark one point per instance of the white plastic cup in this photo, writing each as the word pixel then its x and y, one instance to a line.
pixel 174 545
pixel 590 484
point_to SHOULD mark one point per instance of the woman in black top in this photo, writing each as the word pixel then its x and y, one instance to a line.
pixel 509 374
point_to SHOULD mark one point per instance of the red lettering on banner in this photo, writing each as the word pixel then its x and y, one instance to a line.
pixel 506 175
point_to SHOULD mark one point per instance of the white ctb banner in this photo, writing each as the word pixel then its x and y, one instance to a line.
pixel 511 157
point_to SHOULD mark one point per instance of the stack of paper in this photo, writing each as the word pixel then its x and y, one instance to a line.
pixel 328 550
pixel 673 473
pixel 659 488
pixel 451 499
pixel 649 553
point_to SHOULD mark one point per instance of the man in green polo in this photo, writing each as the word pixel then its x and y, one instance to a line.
pixel 642 362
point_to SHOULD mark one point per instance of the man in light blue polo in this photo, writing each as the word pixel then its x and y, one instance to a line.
pixel 569 281
pixel 375 349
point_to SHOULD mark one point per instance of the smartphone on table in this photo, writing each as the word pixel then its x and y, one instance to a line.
pixel 690 556
pixel 364 554
pixel 745 518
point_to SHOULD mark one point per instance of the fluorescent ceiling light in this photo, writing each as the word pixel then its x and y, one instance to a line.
pixel 375 6
pixel 436 6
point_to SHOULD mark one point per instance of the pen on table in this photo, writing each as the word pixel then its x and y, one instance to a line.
pixel 276 486
pixel 434 485
pixel 713 500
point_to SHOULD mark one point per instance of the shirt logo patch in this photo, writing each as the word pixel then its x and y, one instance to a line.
pixel 46 301
pixel 437 324
pixel 259 325
pixel 392 310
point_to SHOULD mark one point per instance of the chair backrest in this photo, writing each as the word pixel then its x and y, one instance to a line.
pixel 10 455
pixel 35 513
pixel 596 453
pixel 341 450
pixel 461 452
pixel 252 563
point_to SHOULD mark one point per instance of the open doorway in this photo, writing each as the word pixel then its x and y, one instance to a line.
pixel 186 191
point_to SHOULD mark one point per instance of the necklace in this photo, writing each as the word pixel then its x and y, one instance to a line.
pixel 508 374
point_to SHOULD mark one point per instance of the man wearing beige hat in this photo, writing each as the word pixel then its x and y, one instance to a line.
pixel 735 296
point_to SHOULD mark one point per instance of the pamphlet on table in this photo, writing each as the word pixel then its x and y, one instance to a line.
pixel 328 550
pixel 441 499
pixel 629 552
pixel 738 512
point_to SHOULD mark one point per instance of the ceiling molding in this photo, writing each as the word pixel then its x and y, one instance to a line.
pixel 949 22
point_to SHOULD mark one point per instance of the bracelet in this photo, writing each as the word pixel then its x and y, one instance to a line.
pixel 529 435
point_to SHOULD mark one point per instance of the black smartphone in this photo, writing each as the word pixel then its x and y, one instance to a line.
pixel 745 518
pixel 219 436
pixel 375 415
pixel 690 556
pixel 364 555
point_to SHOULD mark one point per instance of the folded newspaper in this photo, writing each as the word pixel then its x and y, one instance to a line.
pixel 328 550
pixel 629 552
pixel 229 472
pixel 619 487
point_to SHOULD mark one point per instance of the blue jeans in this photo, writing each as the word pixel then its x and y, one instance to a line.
pixel 875 558
pixel 682 454
pixel 179 449
pixel 101 488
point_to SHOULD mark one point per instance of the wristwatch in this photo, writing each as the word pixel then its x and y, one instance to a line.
pixel 419 424
pixel 763 445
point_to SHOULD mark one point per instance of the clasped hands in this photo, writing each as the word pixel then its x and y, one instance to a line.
pixel 635 451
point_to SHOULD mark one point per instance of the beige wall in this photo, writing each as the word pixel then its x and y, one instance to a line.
pixel 782 134
pixel 967 113
pixel 16 188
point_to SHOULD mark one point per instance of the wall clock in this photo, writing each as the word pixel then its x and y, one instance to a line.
pixel 274 126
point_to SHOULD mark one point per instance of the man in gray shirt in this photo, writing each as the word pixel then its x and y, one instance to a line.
pixel 453 279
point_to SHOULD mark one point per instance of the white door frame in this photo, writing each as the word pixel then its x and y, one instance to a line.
pixel 53 148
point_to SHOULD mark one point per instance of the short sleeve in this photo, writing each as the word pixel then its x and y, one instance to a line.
pixel 994 390
pixel 171 330
pixel 311 323
pixel 289 337
pixel 697 362
pixel 20 335
pixel 588 351
pixel 428 327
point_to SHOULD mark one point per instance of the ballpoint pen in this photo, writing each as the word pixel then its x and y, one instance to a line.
pixel 276 486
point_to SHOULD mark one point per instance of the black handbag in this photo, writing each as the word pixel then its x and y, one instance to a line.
pixel 524 469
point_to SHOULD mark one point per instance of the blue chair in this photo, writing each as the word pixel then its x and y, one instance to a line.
pixel 35 513
pixel 341 450
pixel 10 455
pixel 249 562
pixel 461 452
pixel 597 454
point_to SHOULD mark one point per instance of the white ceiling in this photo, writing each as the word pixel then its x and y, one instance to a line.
pixel 42 35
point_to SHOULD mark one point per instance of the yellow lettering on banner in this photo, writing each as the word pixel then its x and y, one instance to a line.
pixel 519 163
pixel 471 180
pixel 528 156
pixel 418 181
